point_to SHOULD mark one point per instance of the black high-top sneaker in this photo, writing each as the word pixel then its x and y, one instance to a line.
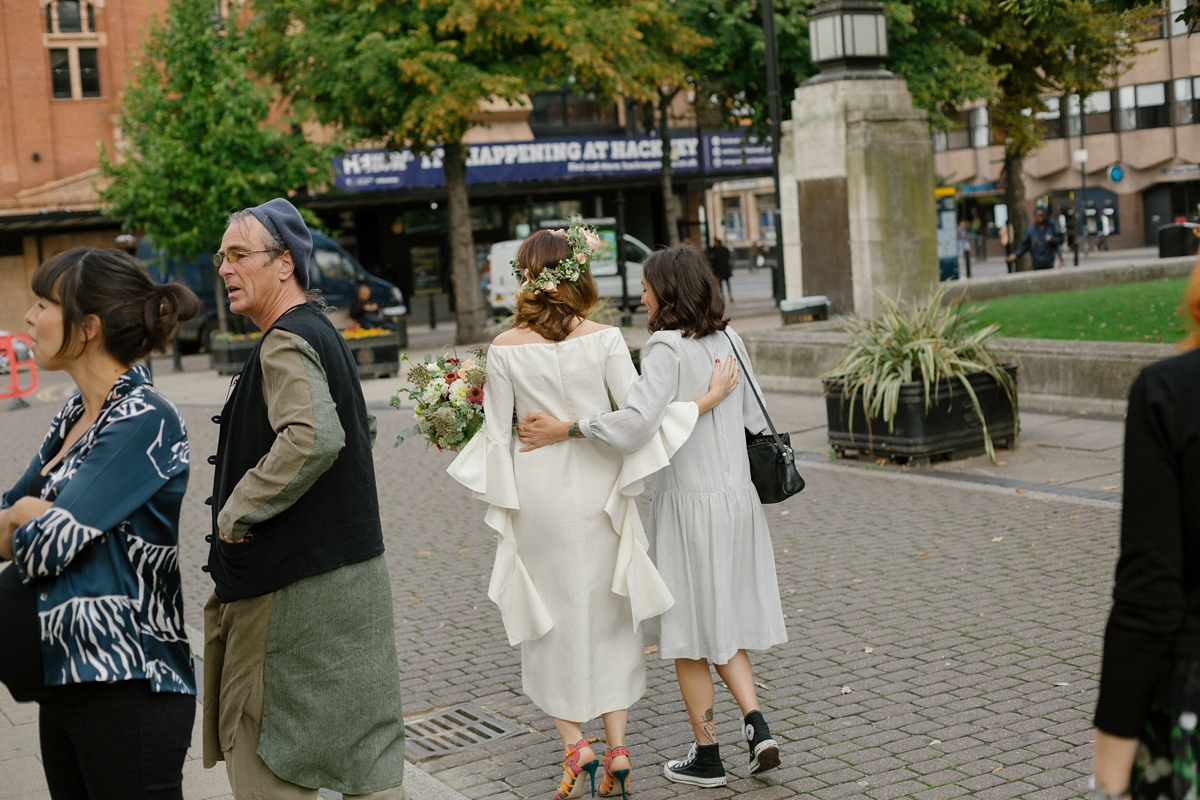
pixel 764 752
pixel 702 767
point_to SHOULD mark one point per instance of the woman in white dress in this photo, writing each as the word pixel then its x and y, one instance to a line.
pixel 708 534
pixel 572 577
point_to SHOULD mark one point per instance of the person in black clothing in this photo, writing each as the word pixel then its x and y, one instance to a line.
pixel 721 261
pixel 1146 718
pixel 364 310
pixel 1042 239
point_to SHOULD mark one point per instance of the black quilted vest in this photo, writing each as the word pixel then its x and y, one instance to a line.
pixel 336 522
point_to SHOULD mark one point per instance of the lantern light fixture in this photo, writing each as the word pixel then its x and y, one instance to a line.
pixel 848 39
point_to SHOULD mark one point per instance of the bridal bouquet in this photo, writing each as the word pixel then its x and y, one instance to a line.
pixel 448 393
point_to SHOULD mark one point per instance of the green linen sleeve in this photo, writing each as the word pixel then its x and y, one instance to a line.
pixel 309 435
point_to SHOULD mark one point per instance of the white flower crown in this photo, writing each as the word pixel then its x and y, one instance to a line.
pixel 584 243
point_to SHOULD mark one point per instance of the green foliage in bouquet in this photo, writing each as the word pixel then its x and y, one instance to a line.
pixel 448 393
pixel 930 343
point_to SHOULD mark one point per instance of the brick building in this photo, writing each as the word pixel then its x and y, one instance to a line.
pixel 63 64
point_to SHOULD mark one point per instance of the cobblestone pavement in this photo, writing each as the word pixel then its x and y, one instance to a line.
pixel 944 639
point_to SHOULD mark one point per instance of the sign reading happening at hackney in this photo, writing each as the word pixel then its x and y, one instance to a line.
pixel 551 159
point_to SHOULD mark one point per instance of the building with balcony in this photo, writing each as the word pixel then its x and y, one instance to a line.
pixel 1141 139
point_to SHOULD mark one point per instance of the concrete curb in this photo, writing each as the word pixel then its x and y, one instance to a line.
pixel 1067 279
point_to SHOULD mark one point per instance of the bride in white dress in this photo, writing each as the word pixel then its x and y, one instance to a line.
pixel 708 533
pixel 572 577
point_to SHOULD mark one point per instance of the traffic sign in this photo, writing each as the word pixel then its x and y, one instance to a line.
pixel 1080 156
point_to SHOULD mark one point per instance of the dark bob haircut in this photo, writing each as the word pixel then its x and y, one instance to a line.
pixel 689 300
pixel 137 316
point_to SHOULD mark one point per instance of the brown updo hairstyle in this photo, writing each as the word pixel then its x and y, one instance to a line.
pixel 689 299
pixel 549 314
pixel 137 316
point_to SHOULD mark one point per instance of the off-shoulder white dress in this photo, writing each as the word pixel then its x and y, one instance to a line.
pixel 708 533
pixel 572 577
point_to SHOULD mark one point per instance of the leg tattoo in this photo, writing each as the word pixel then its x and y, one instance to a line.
pixel 709 728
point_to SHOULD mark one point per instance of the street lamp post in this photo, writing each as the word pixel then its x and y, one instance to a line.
pixel 775 110
pixel 848 36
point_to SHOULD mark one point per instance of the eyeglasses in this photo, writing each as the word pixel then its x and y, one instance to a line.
pixel 233 256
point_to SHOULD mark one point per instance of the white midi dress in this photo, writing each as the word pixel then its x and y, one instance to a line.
pixel 708 533
pixel 572 577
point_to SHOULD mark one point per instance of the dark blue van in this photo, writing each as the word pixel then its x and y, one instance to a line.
pixel 332 270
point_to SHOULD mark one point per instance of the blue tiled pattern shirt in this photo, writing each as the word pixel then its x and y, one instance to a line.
pixel 105 557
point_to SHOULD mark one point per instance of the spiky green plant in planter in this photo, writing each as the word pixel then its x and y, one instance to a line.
pixel 927 342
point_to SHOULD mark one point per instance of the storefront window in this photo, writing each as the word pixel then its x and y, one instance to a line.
pixel 60 73
pixel 89 72
pixel 581 113
pixel 735 225
pixel 766 206
pixel 69 19
pixel 1050 120
pixel 1175 8
pixel 1144 106
pixel 1182 95
pixel 980 133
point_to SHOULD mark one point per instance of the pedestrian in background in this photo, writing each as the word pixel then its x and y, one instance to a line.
pixel 365 311
pixel 91 609
pixel 721 261
pixel 1042 239
pixel 572 578
pixel 1147 737
pixel 708 533
pixel 301 679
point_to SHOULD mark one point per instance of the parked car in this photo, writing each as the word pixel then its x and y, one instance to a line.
pixel 332 270
pixel 502 284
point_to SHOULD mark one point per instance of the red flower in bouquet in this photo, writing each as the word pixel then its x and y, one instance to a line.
pixel 450 377
pixel 475 395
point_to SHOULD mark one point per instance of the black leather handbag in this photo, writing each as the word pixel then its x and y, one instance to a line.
pixel 772 462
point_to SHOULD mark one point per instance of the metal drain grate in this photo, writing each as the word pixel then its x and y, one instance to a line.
pixel 454 729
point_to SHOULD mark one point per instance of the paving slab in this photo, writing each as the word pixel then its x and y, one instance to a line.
pixel 944 623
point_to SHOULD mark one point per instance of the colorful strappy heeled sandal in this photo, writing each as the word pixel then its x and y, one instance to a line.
pixel 613 776
pixel 571 787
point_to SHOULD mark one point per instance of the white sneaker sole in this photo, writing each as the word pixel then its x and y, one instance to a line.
pixel 766 756
pixel 691 780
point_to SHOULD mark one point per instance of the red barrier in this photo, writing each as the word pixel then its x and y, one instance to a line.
pixel 8 352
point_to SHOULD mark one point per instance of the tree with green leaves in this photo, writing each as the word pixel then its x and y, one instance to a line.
pixel 952 53
pixel 931 44
pixel 200 141
pixel 413 75
pixel 1051 47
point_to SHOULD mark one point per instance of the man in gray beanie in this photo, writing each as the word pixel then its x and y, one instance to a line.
pixel 301 679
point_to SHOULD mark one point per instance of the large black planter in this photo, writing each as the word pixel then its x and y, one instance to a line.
pixel 376 356
pixel 949 428
pixel 228 357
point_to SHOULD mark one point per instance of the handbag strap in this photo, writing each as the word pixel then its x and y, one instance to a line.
pixel 754 389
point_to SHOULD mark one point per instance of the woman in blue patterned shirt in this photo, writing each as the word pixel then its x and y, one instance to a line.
pixel 91 609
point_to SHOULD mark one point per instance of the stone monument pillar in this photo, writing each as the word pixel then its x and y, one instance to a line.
pixel 856 172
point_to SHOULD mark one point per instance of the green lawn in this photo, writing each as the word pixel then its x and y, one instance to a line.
pixel 1129 312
